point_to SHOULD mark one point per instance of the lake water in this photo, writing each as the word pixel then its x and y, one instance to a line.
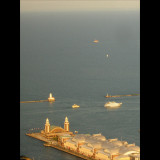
pixel 58 56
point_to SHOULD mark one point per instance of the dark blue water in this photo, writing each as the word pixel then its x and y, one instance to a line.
pixel 58 55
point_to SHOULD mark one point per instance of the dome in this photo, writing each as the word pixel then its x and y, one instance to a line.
pixel 107 145
pixel 102 138
pixel 79 138
pixel 125 150
pixel 135 148
pixel 117 143
pixel 111 140
pixel 107 150
pixel 114 150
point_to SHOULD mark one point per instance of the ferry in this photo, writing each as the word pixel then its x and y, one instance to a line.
pixel 112 104
pixel 75 106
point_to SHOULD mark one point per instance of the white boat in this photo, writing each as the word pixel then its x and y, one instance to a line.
pixel 75 106
pixel 112 104
pixel 96 41
pixel 107 55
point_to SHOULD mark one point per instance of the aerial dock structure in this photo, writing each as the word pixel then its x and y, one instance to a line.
pixel 86 146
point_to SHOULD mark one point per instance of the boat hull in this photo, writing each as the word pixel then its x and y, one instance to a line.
pixel 113 105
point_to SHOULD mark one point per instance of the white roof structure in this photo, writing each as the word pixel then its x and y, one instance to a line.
pixel 121 156
pixel 128 150
pixel 117 143
pixel 70 141
pixel 86 146
pixel 102 152
pixel 104 146
pixel 79 138
pixel 107 145
pixel 99 137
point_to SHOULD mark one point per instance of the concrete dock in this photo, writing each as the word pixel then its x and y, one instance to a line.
pixel 38 136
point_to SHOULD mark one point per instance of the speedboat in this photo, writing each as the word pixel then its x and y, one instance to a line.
pixel 75 106
pixel 112 104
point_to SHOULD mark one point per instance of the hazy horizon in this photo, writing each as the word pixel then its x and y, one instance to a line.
pixel 74 5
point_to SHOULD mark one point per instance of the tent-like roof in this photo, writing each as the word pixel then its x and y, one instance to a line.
pixel 79 138
pixel 102 152
pixel 70 141
pixel 117 143
pixel 128 150
pixel 86 146
pixel 121 156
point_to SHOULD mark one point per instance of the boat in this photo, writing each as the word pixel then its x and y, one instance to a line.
pixel 96 41
pixel 112 104
pixel 107 55
pixel 75 106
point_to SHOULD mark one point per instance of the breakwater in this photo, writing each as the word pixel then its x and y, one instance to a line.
pixel 108 96
pixel 34 101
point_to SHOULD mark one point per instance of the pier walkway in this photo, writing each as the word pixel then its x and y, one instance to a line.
pixel 38 136
pixel 69 151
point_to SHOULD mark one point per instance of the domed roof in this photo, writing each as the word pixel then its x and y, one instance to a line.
pixel 107 150
pixel 114 150
pixel 117 143
pixel 102 138
pixel 124 149
pixel 107 145
pixel 95 144
pixel 79 138
pixel 135 148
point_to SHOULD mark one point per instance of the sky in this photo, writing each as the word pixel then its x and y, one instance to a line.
pixel 77 5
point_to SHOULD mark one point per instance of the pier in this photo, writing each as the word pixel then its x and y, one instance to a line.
pixel 56 145
pixel 38 136
pixel 77 144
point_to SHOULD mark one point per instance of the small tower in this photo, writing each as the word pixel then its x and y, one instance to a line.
pixel 66 124
pixel 50 98
pixel 47 126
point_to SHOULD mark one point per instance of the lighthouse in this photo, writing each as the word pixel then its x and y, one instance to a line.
pixel 66 124
pixel 50 98
pixel 47 126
